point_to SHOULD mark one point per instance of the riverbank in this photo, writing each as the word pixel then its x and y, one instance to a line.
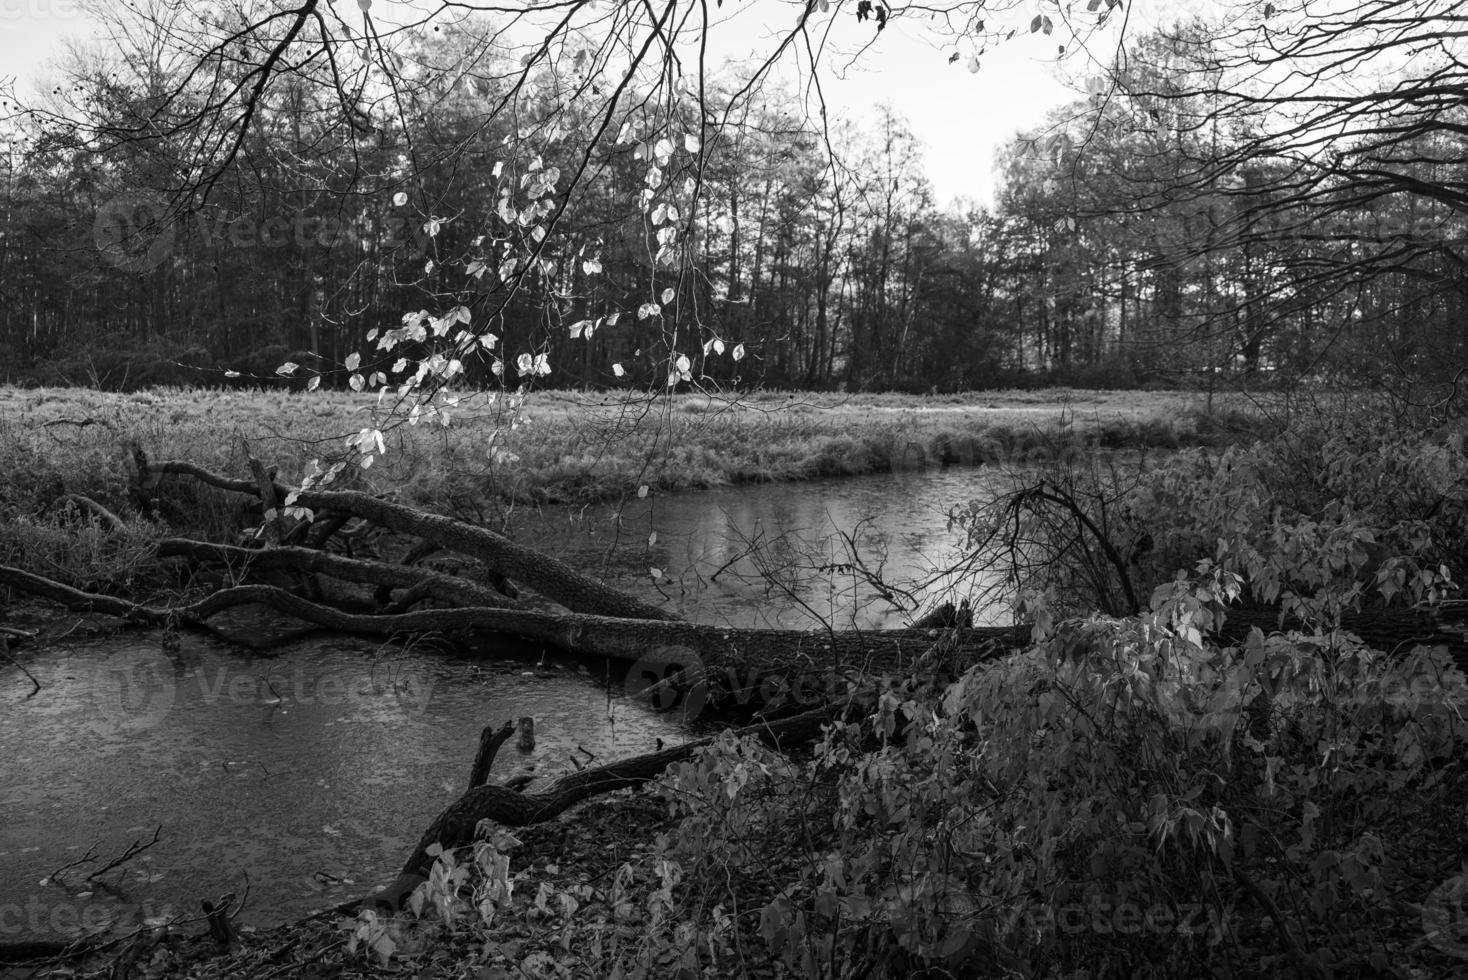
pixel 1018 829
pixel 570 446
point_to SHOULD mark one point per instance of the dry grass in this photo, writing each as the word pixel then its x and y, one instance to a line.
pixel 551 445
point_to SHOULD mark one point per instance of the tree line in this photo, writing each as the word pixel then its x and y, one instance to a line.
pixel 1166 226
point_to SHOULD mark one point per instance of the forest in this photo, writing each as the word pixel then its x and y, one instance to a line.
pixel 323 323
pixel 1160 230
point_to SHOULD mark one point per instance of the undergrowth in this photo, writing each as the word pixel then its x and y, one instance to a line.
pixel 1131 796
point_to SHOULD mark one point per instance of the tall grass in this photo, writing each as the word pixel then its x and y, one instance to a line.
pixel 550 447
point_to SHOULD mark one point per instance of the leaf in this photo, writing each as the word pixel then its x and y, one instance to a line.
pixel 287 369
pixel 642 491
pixel 656 573
pixel 357 382
pixel 524 364
pixel 668 295
pixel 579 326
pixel 618 370
pixel 652 539
pixel 955 55
pixel 738 354
pixel 691 143
pixel 314 383
pixel 353 360
pixel 683 364
pixel 718 346
pixel 648 309
pixel 1047 26
pixel 663 150
pixel 591 266
pixel 401 197
pixel 973 65
pixel 1035 24
pixel 231 374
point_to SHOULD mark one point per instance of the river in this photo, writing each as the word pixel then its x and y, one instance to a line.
pixel 308 777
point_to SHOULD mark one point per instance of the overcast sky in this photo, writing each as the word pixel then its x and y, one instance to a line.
pixel 961 117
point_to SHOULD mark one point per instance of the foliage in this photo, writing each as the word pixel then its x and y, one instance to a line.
pixel 1338 511
pixel 1127 797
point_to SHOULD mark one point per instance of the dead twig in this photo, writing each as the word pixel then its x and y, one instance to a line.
pixel 133 850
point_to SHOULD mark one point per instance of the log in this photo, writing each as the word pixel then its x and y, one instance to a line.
pixel 708 653
pixel 549 576
pixel 490 741
pixel 89 506
pixel 448 588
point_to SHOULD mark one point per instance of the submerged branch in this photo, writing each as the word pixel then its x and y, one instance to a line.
pixel 455 826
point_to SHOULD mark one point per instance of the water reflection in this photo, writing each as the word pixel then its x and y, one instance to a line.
pixel 308 776
pixel 856 552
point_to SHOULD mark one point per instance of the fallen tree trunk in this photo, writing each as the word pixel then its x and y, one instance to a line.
pixel 447 588
pixel 748 655
pixel 549 576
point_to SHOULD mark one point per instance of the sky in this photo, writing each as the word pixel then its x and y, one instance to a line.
pixel 960 117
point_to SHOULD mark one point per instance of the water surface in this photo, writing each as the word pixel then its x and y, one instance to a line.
pixel 793 555
pixel 308 777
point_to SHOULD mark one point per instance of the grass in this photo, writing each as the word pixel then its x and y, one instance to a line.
pixel 549 446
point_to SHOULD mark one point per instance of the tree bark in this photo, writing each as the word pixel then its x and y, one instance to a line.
pixel 709 653
pixel 455 826
pixel 549 576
